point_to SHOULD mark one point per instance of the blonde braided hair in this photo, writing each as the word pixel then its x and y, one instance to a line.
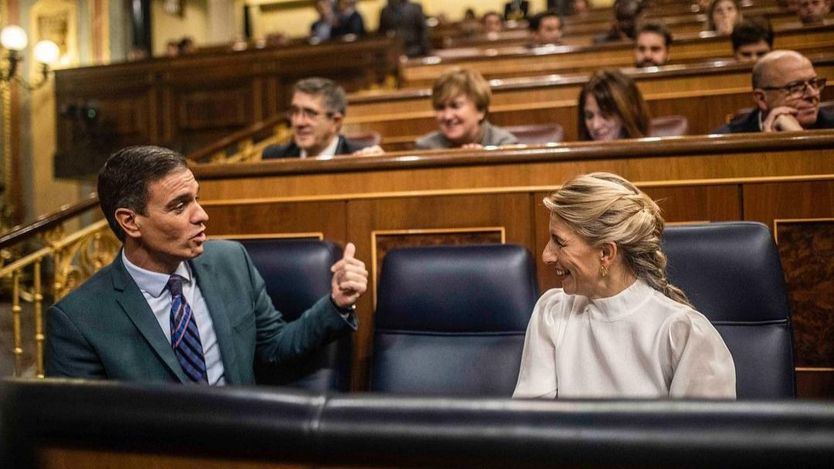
pixel 604 207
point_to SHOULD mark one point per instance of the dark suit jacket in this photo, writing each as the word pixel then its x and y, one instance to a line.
pixel 105 328
pixel 406 20
pixel 291 150
pixel 750 122
pixel 523 7
pixel 350 24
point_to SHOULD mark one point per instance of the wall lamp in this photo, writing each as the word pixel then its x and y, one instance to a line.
pixel 14 40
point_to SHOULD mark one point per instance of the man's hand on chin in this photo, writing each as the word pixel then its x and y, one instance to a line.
pixel 781 119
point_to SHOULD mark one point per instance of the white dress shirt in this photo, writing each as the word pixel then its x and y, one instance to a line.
pixel 329 151
pixel 152 285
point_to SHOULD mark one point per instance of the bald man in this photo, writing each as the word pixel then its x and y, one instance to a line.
pixel 787 91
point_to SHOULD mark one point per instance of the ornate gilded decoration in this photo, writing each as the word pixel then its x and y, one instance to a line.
pixel 74 258
pixel 78 260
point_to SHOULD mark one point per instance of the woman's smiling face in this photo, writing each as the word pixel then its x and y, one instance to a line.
pixel 573 259
pixel 601 126
pixel 459 120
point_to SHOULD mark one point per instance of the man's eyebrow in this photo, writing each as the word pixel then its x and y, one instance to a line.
pixel 180 198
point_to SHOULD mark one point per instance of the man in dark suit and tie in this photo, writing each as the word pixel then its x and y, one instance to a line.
pixel 787 92
pixel 316 113
pixel 174 307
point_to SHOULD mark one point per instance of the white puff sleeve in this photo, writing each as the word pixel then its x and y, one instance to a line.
pixel 537 374
pixel 705 367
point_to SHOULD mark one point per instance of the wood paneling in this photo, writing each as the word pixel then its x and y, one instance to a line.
pixel 191 101
pixel 643 161
pixel 807 252
pixel 328 218
pixel 767 202
pixel 815 384
pixel 814 324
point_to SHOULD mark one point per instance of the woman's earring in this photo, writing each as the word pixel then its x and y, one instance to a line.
pixel 603 271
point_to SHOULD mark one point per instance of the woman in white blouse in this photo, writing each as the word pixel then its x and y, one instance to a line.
pixel 617 327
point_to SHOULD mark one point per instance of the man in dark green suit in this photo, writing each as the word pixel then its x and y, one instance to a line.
pixel 121 323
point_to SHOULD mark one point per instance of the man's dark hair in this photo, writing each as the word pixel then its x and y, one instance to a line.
pixel 657 28
pixel 335 99
pixel 751 31
pixel 627 13
pixel 534 22
pixel 124 179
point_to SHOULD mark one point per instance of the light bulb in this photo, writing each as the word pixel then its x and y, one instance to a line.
pixel 14 38
pixel 46 52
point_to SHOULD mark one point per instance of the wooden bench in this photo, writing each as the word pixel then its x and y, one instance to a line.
pixel 521 61
pixel 190 101
pixel 704 93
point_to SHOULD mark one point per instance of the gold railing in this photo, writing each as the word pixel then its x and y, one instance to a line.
pixel 73 259
pixel 244 145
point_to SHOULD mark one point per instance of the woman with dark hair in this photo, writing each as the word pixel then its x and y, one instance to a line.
pixel 723 16
pixel 611 107
pixel 617 328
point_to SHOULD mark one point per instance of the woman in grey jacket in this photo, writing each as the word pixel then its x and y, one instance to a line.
pixel 460 99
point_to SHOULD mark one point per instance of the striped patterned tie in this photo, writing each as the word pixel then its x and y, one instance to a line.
pixel 185 337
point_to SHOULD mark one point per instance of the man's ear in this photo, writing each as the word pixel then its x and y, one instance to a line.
pixel 126 218
pixel 761 100
pixel 338 117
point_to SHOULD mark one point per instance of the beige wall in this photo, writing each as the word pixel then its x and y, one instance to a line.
pixel 165 27
pixel 294 20
pixel 40 192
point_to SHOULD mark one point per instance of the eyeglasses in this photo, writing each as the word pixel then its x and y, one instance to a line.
pixel 797 88
pixel 308 113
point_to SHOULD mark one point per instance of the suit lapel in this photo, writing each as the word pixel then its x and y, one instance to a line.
pixel 341 147
pixel 212 291
pixel 134 305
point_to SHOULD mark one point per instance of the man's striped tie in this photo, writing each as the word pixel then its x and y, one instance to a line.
pixel 185 337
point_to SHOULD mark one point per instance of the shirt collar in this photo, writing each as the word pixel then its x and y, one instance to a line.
pixel 154 283
pixel 328 152
pixel 622 304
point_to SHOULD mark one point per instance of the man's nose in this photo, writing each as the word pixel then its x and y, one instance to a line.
pixel 201 216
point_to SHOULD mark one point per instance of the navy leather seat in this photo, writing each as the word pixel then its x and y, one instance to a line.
pixel 451 319
pixel 733 275
pixel 297 274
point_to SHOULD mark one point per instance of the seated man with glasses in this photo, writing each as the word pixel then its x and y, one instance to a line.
pixel 315 115
pixel 787 92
